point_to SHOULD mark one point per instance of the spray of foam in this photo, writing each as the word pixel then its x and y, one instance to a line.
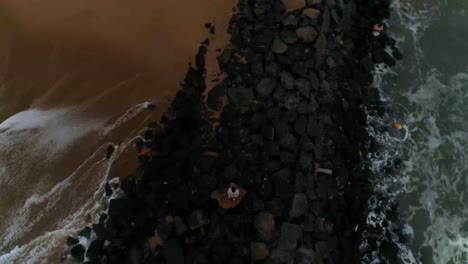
pixel 52 130
pixel 22 221
pixel 438 162
pixel 129 114
pixel 433 146
pixel 39 249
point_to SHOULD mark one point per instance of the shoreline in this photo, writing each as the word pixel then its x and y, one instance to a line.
pixel 297 87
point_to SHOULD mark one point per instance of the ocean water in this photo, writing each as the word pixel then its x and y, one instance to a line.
pixel 421 171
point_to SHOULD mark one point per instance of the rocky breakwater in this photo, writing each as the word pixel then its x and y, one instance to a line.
pixel 290 141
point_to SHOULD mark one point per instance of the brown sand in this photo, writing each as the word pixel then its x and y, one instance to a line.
pixel 99 58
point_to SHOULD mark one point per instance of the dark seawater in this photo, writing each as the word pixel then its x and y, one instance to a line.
pixel 427 93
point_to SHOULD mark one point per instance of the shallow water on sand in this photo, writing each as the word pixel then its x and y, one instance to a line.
pixel 74 77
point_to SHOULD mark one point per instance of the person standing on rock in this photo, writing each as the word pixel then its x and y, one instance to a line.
pixel 233 193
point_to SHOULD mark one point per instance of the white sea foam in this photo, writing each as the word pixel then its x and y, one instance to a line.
pixel 22 221
pixel 129 114
pixel 434 148
pixel 52 129
pixel 39 249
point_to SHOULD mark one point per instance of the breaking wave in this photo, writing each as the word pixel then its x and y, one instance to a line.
pixel 420 205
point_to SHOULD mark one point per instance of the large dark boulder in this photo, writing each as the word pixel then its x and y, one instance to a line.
pixel 307 34
pixel 240 96
pixel 121 206
pixel 95 250
pixel 265 87
pixel 78 252
pixel 172 252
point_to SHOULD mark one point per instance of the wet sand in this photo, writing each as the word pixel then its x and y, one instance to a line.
pixel 64 54
pixel 97 59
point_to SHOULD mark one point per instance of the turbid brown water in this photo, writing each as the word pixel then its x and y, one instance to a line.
pixel 73 77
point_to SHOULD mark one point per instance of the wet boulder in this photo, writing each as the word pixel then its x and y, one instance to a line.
pixel 313 2
pixel 78 252
pixel 110 151
pixel 265 225
pixel 287 80
pixel 321 44
pixel 307 34
pixel 303 86
pixel 289 36
pixel 288 141
pixel 72 241
pixel 95 250
pixel 307 255
pixel 290 234
pixel 311 15
pixel 322 249
pixel 172 252
pixel 272 69
pixel 300 126
pixel 259 251
pixel 261 7
pixel 263 40
pixel 325 20
pixel 291 101
pixel 240 96
pixel 268 132
pixel 281 128
pixel 299 205
pixel 85 232
pixel 179 225
pixel 101 231
pixel 290 21
pixel 278 47
pixel 197 219
pixel 265 87
pixel 117 207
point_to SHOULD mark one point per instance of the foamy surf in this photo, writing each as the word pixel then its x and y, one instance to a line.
pixel 52 244
pixel 53 129
pixel 77 207
pixel 129 114
pixel 419 172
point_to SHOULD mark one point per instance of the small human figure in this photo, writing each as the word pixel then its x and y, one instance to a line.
pixel 233 193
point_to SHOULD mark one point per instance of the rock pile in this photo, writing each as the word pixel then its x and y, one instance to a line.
pixel 297 86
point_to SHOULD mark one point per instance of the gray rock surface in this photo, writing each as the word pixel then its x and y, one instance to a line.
pixel 311 14
pixel 265 87
pixel 290 233
pixel 259 251
pixel 265 225
pixel 307 34
pixel 287 80
pixel 303 86
pixel 299 205
pixel 240 96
